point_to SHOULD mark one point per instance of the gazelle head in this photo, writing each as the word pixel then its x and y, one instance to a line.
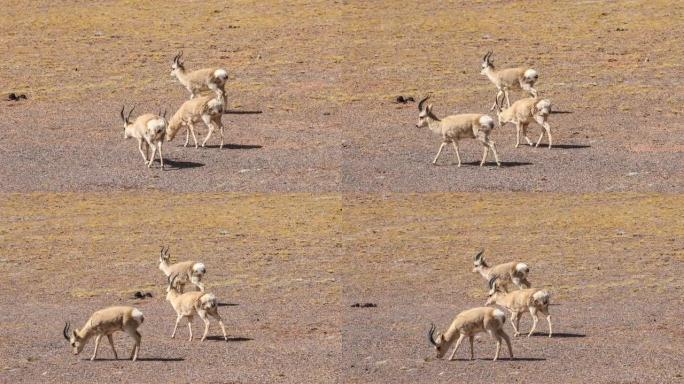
pixel 493 291
pixel 75 341
pixel 487 62
pixel 424 113
pixel 172 287
pixel 164 255
pixel 440 344
pixel 126 121
pixel 479 261
pixel 177 64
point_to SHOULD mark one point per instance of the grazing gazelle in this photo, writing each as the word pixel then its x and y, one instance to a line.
pixel 104 323
pixel 469 323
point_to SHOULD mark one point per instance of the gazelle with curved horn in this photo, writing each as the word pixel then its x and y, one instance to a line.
pixel 191 271
pixel 513 272
pixel 149 129
pixel 468 324
pixel 533 300
pixel 456 127
pixel 509 78
pixel 205 79
pixel 104 323
pixel 522 113
pixel 189 304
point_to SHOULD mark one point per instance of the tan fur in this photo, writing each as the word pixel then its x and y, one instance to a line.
pixel 525 111
pixel 469 323
pixel 517 302
pixel 457 127
pixel 189 304
pixel 506 79
pixel 104 323
pixel 184 270
pixel 149 130
pixel 199 80
pixel 505 273
pixel 208 109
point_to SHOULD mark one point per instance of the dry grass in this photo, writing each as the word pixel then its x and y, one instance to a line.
pixel 351 51
pixel 284 242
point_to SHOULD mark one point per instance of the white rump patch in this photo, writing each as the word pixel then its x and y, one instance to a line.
pixel 544 107
pixel 199 268
pixel 137 315
pixel 221 74
pixel 541 297
pixel 157 125
pixel 486 121
pixel 522 268
pixel 499 315
pixel 531 75
pixel 208 300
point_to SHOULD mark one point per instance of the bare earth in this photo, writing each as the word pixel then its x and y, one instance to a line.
pixel 328 198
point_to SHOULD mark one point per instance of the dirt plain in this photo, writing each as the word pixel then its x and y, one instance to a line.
pixel 328 198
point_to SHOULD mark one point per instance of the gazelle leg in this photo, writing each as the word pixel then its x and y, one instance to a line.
pixel 472 348
pixel 547 127
pixel 161 158
pixel 518 127
pixel 216 315
pixel 508 342
pixel 187 136
pixel 111 342
pixel 97 345
pixel 154 151
pixel 210 124
pixel 493 147
pixel 535 319
pixel 524 131
pixel 137 337
pixel 485 152
pixel 204 318
pixel 438 153
pixel 191 126
pixel 220 124
pixel 140 148
pixel 175 327
pixel 458 155
pixel 515 322
pixel 507 100
pixel 458 343
pixel 495 335
pixel 496 100
pixel 190 328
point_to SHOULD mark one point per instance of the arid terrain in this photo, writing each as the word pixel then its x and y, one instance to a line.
pixel 328 197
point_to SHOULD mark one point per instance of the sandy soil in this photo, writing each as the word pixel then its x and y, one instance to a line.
pixel 328 198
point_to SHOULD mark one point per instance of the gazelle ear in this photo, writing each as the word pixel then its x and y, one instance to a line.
pixel 74 333
pixel 441 338
pixel 429 108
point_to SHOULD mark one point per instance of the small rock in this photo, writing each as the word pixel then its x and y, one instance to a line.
pixel 141 295
pixel 404 99
pixel 16 97
pixel 364 305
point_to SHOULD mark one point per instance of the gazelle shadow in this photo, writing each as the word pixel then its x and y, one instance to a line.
pixel 236 146
pixel 175 164
pixel 230 338
pixel 503 164
pixel 140 359
pixel 227 305
pixel 559 335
